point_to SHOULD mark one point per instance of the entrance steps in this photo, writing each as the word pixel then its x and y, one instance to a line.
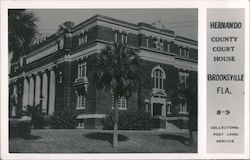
pixel 171 124
pixel 171 127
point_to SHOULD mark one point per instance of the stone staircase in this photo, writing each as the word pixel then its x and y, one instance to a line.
pixel 166 125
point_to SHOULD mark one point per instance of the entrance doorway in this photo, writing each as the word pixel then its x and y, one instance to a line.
pixel 157 109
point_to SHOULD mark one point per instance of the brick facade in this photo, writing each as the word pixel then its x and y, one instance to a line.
pixel 61 53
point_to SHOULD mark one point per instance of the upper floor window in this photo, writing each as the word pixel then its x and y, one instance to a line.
pixel 168 47
pixel 158 76
pixel 82 69
pixel 116 36
pixel 124 38
pixel 183 77
pixel 184 52
pixel 60 77
pixel 122 103
pixel 83 38
pixel 159 45
pixel 147 40
pixel 187 52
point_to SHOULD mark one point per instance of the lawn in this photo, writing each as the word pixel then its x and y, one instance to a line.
pixel 93 141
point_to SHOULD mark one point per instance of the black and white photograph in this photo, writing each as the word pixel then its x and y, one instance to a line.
pixel 103 80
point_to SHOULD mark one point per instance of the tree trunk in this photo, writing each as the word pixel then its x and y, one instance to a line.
pixel 116 114
pixel 190 127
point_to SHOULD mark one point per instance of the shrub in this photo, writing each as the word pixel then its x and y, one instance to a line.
pixel 19 127
pixel 64 119
pixel 129 120
pixel 37 117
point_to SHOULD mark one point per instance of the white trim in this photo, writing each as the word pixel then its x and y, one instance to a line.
pixel 167 36
pixel 84 27
pixel 42 68
pixel 120 103
pixel 158 79
pixel 117 27
pixel 185 44
pixel 44 51
pixel 161 101
pixel 87 116
pixel 96 49
pixel 80 105
pixel 158 67
pixel 186 65
pixel 156 57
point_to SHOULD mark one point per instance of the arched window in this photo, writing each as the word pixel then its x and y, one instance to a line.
pixel 158 76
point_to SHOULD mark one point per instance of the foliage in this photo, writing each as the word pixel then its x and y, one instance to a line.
pixel 21 30
pixel 37 117
pixel 190 92
pixel 129 120
pixel 64 119
pixel 118 69
pixel 19 127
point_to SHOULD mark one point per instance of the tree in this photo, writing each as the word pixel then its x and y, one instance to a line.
pixel 21 31
pixel 118 69
pixel 189 93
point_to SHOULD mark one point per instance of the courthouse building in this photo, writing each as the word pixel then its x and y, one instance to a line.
pixel 57 73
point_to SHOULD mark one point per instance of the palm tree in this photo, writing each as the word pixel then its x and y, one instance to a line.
pixel 189 92
pixel 118 69
pixel 21 31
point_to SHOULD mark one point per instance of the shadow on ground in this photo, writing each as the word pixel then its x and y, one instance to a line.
pixel 182 139
pixel 29 137
pixel 106 137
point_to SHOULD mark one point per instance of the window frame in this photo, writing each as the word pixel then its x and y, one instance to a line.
pixel 120 106
pixel 158 75
pixel 80 102
pixel 82 70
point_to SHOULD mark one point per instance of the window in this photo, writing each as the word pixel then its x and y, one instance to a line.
pixel 187 55
pixel 183 76
pixel 60 77
pixel 81 102
pixel 116 36
pixel 83 38
pixel 146 41
pixel 124 38
pixel 158 76
pixel 183 107
pixel 180 51
pixel 159 45
pixel 82 69
pixel 168 47
pixel 122 103
pixel 184 52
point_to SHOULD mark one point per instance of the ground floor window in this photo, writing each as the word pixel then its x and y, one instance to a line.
pixel 122 103
pixel 81 102
pixel 183 108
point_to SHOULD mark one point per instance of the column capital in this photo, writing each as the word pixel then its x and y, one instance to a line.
pixel 40 73
pixel 54 67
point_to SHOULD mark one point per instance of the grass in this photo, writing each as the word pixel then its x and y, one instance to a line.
pixel 99 141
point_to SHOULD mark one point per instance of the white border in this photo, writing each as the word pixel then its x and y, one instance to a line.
pixel 201 5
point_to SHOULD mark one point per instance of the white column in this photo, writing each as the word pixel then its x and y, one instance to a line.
pixel 45 92
pixel 164 109
pixel 52 92
pixel 25 92
pixel 37 89
pixel 31 91
pixel 14 107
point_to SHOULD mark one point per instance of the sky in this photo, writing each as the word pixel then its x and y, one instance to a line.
pixel 183 21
